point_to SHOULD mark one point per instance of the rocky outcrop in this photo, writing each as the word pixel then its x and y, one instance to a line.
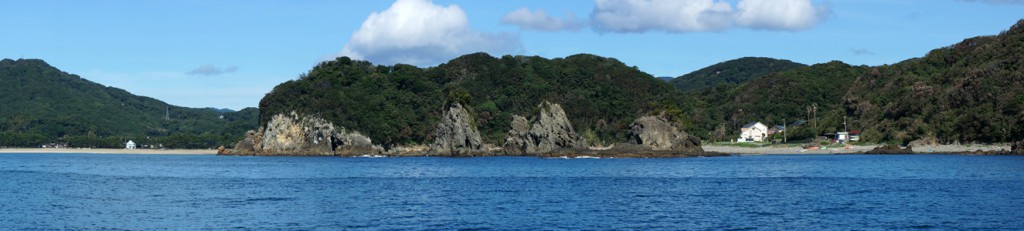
pixel 550 131
pixel 518 138
pixel 293 134
pixel 248 145
pixel 456 135
pixel 1017 148
pixel 924 142
pixel 656 133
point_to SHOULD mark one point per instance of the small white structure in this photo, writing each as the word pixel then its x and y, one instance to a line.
pixel 753 132
pixel 129 145
pixel 843 137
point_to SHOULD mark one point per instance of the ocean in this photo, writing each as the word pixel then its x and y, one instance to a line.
pixel 773 192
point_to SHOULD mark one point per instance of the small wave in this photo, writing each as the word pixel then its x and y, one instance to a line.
pixel 921 227
pixel 372 156
pixel 269 199
pixel 587 157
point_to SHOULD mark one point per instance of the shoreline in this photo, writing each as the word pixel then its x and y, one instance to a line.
pixel 854 149
pixel 712 150
pixel 108 151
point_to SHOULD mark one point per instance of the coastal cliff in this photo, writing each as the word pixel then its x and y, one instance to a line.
pixel 656 133
pixel 302 135
pixel 550 131
pixel 456 135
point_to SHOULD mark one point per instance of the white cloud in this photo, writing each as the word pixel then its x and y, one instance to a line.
pixel 418 32
pixel 210 69
pixel 666 15
pixel 790 15
pixel 681 16
pixel 540 20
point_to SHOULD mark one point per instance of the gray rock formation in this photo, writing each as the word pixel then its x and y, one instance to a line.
pixel 656 133
pixel 550 131
pixel 293 134
pixel 456 135
pixel 1017 148
pixel 517 139
pixel 924 142
pixel 247 146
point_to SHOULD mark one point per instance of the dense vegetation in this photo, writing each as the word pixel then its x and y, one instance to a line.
pixel 972 91
pixel 732 72
pixel 401 104
pixel 43 105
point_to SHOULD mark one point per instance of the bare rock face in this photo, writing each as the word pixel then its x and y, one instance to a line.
pixel 924 142
pixel 550 131
pixel 456 135
pixel 656 133
pixel 518 137
pixel 293 134
pixel 247 146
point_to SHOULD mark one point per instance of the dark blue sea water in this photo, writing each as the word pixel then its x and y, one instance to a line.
pixel 802 192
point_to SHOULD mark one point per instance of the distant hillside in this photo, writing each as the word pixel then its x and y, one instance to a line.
pixel 666 78
pixel 402 104
pixel 45 105
pixel 972 91
pixel 734 72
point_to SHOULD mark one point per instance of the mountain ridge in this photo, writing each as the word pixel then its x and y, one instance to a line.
pixel 735 71
pixel 46 105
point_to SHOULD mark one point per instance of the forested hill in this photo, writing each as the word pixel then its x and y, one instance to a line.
pixel 401 104
pixel 43 105
pixel 972 91
pixel 731 72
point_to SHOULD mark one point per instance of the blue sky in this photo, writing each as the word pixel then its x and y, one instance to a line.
pixel 228 54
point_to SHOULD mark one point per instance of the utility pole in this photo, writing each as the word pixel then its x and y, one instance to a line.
pixel 167 113
pixel 814 108
pixel 784 131
pixel 845 128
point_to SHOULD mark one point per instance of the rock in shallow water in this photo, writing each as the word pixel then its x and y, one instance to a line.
pixel 550 131
pixel 456 135
pixel 293 134
pixel 656 133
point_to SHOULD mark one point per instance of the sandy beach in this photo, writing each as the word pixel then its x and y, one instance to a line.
pixel 110 151
pixel 782 150
pixel 938 149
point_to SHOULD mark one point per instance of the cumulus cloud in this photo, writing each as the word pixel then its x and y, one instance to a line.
pixel 681 16
pixel 540 20
pixel 210 69
pixel 779 14
pixel 418 32
pixel 668 15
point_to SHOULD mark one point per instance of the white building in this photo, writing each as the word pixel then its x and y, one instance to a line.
pixel 843 137
pixel 129 145
pixel 753 132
